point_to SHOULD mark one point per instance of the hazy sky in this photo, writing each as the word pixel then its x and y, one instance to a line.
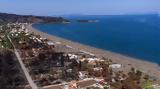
pixel 65 7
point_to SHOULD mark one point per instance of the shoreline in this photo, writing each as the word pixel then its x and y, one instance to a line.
pixel 146 67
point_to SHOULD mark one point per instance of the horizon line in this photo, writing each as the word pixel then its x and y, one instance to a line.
pixel 147 13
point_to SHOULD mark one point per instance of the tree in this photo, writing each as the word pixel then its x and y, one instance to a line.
pixel 41 56
pixel 138 73
pixel 105 88
pixel 146 77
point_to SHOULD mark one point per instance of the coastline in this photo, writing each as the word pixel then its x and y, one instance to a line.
pixel 146 67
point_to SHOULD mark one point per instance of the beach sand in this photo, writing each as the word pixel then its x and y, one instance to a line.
pixel 146 67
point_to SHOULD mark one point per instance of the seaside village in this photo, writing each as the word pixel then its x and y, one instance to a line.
pixel 53 65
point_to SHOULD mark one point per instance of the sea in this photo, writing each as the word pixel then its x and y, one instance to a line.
pixel 137 36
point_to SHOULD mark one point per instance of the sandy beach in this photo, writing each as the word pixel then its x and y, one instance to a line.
pixel 146 67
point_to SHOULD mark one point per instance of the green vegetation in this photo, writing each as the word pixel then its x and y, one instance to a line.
pixel 93 88
pixel 5 43
pixel 148 85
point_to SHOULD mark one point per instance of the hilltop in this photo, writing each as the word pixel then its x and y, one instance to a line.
pixel 12 18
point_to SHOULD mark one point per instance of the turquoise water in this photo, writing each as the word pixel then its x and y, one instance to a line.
pixel 137 36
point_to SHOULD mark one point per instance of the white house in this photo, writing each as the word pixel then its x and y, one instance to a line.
pixel 115 66
pixel 50 43
pixel 72 56
pixel 156 86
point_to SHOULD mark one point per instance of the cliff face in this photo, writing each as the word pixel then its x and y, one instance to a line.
pixel 4 17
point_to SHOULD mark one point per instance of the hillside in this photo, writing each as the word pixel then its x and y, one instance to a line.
pixel 4 17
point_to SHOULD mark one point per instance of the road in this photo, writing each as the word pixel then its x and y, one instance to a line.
pixel 29 79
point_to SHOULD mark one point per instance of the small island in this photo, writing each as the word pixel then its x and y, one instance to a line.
pixel 90 21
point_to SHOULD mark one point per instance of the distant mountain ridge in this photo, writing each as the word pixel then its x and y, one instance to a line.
pixel 5 17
